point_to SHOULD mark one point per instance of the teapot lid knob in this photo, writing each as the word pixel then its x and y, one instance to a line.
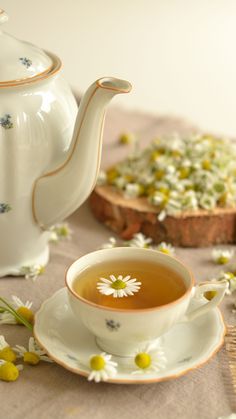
pixel 3 16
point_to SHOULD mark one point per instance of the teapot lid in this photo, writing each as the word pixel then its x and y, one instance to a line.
pixel 20 60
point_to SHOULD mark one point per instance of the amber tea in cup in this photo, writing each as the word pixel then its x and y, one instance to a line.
pixel 160 284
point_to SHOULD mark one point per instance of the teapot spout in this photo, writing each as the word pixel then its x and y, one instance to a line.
pixel 58 193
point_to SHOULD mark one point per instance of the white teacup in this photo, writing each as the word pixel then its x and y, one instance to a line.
pixel 136 328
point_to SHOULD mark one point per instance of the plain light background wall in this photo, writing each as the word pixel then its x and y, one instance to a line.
pixel 180 55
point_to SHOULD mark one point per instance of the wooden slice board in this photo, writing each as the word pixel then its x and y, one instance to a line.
pixel 190 229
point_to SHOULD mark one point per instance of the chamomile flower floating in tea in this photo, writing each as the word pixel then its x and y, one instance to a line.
pixel 9 371
pixel 102 367
pixel 222 256
pixel 33 355
pixel 150 359
pixel 17 312
pixel 118 286
pixel 6 352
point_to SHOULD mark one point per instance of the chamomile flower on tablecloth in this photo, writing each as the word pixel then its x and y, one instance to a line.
pixel 150 358
pixel 6 352
pixel 139 240
pixel 59 232
pixel 32 272
pixel 222 256
pixel 230 277
pixel 110 244
pixel 24 309
pixel 166 248
pixel 118 286
pixel 33 355
pixel 9 371
pixel 102 367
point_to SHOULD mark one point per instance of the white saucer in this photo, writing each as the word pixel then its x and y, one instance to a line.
pixel 70 344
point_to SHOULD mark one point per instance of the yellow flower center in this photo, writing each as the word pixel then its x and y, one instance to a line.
pixel 7 354
pixel 222 260
pixel 127 138
pixel 231 274
pixel 31 358
pixel 143 360
pixel 184 172
pixel 159 174
pixel 26 313
pixel 64 233
pixel 9 372
pixel 118 284
pixel 163 250
pixel 112 174
pixel 97 363
pixel 206 164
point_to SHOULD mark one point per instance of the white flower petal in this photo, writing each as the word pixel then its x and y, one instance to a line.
pixel 17 301
pixel 126 278
pixel 3 343
pixel 107 281
pixel 20 349
pixel 97 377
pixel 130 281
pixel 7 318
pixel 91 375
pixel 129 292
pixel 45 358
pixel 107 291
pixel 103 375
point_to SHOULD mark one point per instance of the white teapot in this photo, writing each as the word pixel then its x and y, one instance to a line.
pixel 50 151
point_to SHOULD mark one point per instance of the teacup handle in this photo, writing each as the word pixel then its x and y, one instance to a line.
pixel 199 290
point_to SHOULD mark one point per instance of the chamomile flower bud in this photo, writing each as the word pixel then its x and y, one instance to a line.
pixel 9 371
pixel 127 138
pixel 6 352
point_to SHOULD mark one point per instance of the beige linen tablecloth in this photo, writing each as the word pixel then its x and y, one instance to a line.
pixel 49 391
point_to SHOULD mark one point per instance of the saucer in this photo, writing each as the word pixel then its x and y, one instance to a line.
pixel 187 345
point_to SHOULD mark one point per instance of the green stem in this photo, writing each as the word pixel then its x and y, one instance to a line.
pixel 18 316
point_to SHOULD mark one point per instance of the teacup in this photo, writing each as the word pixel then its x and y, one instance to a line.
pixel 137 327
